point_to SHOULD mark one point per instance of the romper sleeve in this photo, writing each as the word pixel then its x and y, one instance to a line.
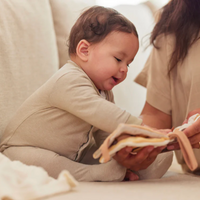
pixel 155 76
pixel 75 93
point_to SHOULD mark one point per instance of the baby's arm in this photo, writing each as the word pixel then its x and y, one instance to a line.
pixel 87 104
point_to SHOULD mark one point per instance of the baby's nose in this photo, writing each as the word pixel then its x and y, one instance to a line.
pixel 124 68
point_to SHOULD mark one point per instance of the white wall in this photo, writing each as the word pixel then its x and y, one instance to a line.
pixel 111 3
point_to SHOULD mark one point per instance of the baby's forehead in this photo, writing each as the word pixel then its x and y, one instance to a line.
pixel 119 37
pixel 118 42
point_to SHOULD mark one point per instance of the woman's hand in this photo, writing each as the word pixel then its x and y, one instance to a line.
pixel 192 132
pixel 139 161
pixel 145 157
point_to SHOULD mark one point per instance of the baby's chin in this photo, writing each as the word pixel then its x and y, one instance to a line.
pixel 105 88
pixel 109 86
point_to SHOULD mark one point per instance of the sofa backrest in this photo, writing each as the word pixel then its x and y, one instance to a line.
pixel 28 52
pixel 65 13
pixel 33 37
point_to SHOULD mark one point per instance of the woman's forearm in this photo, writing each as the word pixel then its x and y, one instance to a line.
pixel 155 118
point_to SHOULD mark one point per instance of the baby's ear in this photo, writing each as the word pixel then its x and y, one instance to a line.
pixel 82 50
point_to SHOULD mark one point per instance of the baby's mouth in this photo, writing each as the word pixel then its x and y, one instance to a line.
pixel 115 79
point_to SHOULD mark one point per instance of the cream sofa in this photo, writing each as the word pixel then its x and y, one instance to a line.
pixel 33 46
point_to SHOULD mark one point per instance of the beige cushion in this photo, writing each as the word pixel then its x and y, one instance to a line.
pixel 28 52
pixel 65 14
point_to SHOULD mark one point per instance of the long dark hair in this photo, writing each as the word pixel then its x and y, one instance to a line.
pixel 182 19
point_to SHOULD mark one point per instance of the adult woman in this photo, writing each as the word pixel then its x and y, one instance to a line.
pixel 171 73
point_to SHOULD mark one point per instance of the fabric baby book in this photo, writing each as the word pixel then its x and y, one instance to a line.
pixel 141 136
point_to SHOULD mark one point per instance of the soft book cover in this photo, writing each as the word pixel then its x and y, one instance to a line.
pixel 142 136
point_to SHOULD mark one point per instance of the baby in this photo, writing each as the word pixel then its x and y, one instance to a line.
pixel 73 112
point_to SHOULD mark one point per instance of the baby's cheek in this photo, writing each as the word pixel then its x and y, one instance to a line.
pixel 122 79
pixel 125 75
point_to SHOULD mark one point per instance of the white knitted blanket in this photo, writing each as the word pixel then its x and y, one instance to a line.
pixel 21 182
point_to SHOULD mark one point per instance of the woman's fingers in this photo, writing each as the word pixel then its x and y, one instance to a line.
pixel 145 158
pixel 193 129
pixel 132 161
pixel 193 112
pixel 194 139
pixel 151 157
pixel 173 146
pixel 196 146
pixel 193 134
pixel 123 154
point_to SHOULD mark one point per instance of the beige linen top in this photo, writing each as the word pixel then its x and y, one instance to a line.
pixel 175 93
pixel 63 114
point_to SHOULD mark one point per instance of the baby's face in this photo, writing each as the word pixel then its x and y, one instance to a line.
pixel 109 59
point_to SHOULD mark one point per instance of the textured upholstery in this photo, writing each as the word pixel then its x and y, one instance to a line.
pixel 28 52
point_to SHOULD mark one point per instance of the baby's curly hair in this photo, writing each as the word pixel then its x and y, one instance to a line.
pixel 95 24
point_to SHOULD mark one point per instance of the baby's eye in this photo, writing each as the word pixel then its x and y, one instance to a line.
pixel 128 65
pixel 118 59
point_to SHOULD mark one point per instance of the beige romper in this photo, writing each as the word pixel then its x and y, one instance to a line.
pixel 177 93
pixel 55 127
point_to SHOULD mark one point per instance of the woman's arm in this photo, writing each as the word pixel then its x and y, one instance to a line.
pixel 155 118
